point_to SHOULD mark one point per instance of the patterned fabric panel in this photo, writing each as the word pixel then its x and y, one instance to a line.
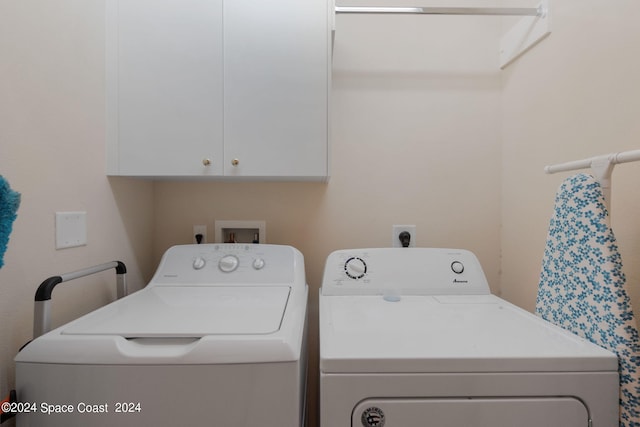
pixel 582 286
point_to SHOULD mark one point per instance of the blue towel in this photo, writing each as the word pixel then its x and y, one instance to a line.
pixel 582 287
pixel 9 203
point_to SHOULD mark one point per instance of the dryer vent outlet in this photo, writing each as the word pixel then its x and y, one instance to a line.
pixel 400 234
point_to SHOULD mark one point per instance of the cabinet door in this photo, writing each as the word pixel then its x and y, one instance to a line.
pixel 164 87
pixel 276 68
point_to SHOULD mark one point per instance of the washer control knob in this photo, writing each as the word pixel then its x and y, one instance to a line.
pixel 258 264
pixel 228 263
pixel 457 267
pixel 355 268
pixel 199 263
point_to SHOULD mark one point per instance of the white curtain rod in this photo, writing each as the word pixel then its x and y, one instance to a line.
pixel 491 11
pixel 601 166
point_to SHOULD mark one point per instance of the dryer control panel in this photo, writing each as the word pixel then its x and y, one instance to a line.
pixel 230 263
pixel 403 271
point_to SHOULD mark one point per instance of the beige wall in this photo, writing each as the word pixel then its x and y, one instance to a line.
pixel 574 96
pixel 52 151
pixel 426 130
pixel 415 140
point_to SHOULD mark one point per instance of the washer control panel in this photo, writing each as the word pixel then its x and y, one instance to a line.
pixel 403 271
pixel 240 263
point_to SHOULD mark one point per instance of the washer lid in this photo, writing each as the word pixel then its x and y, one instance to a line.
pixel 481 333
pixel 188 311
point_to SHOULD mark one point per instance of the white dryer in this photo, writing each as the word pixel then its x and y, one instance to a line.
pixel 217 338
pixel 413 337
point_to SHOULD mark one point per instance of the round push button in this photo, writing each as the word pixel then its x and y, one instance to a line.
pixel 258 264
pixel 457 267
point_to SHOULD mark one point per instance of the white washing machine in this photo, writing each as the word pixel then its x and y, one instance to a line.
pixel 413 337
pixel 217 338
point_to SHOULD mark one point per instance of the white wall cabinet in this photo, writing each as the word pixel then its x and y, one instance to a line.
pixel 211 88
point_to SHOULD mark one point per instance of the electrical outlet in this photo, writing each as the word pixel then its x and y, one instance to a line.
pixel 395 235
pixel 200 229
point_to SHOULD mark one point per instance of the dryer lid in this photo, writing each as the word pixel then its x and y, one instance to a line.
pixel 188 311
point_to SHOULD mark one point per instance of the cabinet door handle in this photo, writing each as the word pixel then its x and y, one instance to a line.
pixel 235 162
pixel 206 162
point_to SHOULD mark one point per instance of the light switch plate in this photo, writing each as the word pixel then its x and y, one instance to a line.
pixel 71 229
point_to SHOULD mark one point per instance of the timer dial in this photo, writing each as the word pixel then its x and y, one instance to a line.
pixel 355 268
pixel 228 263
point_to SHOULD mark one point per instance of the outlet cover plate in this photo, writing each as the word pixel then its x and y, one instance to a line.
pixel 395 233
pixel 200 229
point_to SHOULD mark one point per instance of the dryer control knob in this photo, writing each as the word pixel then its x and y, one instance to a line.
pixel 199 263
pixel 228 263
pixel 355 268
